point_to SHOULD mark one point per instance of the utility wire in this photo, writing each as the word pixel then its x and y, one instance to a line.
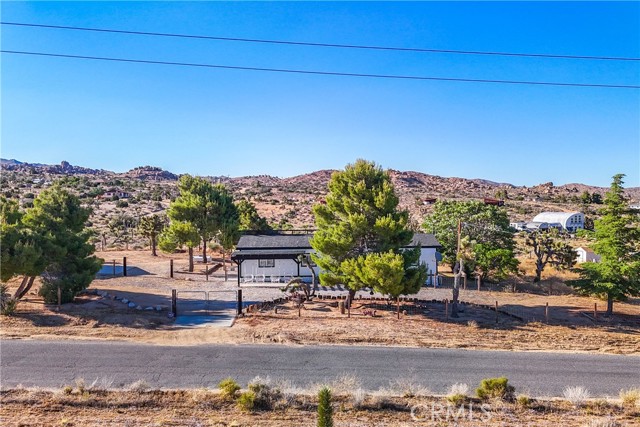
pixel 323 73
pixel 331 45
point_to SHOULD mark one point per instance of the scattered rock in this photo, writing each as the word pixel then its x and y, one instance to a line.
pixel 148 308
pixel 170 315
pixel 138 307
pixel 132 304
pixel 158 308
pixel 125 301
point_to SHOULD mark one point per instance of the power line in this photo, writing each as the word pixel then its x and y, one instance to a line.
pixel 330 45
pixel 322 73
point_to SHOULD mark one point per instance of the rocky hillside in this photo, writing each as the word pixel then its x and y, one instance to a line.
pixel 285 202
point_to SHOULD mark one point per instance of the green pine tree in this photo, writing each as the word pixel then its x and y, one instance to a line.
pixel 325 411
pixel 58 220
pixel 361 218
pixel 617 241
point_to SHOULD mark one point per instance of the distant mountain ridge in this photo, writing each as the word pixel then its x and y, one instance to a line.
pixel 409 184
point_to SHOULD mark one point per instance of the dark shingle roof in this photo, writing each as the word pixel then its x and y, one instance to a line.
pixel 424 240
pixel 301 241
pixel 274 241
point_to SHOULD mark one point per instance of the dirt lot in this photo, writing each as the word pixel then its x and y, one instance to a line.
pixel 206 408
pixel 570 328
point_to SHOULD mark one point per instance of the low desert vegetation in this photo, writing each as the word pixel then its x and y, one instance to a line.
pixel 495 388
pixel 275 403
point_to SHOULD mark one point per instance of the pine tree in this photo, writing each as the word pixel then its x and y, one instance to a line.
pixel 58 220
pixel 325 411
pixel 617 241
pixel 180 234
pixel 361 218
pixel 207 207
pixel 250 219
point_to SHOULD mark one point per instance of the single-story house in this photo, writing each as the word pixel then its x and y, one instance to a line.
pixel 585 255
pixel 274 257
pixel 570 221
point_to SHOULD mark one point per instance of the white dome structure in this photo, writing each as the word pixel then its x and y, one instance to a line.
pixel 570 221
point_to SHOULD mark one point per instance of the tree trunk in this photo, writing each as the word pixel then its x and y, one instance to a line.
pixel 314 278
pixel 609 305
pixel 153 246
pixel 456 291
pixel 25 286
pixel 538 273
pixel 351 297
pixel 190 260
pixel 204 251
pixel 398 307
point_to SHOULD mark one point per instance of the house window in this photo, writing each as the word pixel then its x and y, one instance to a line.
pixel 266 263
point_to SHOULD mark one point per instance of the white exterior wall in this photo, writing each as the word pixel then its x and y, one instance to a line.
pixel 282 267
pixel 586 256
pixel 288 267
pixel 428 256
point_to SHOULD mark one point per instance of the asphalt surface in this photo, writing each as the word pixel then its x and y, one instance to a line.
pixel 56 363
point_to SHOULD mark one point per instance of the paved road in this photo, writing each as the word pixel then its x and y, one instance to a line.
pixel 55 363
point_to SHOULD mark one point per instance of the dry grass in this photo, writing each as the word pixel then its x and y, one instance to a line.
pixel 206 408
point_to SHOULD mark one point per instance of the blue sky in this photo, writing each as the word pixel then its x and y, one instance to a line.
pixel 223 122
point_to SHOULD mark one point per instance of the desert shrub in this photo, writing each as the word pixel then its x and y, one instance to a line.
pixel 80 385
pixel 122 204
pixel 495 388
pixel 247 401
pixel 630 398
pixel 264 393
pixel 228 388
pixel 139 386
pixel 408 388
pixel 67 389
pixel 7 303
pixel 345 384
pixel 458 393
pixel 523 401
pixel 325 411
pixel 358 397
pixel 576 395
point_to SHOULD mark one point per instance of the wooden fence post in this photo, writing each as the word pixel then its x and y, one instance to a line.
pixel 59 297
pixel 124 266
pixel 446 309
pixel 546 312
pixel 171 268
pixel 435 281
pixel 174 303
pixel 464 283
pixel 114 268
pixel 479 281
pixel 496 311
pixel 595 310
pixel 239 306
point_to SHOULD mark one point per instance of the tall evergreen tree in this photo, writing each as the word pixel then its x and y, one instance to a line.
pixel 207 207
pixel 58 220
pixel 21 254
pixel 617 241
pixel 361 218
pixel 250 219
